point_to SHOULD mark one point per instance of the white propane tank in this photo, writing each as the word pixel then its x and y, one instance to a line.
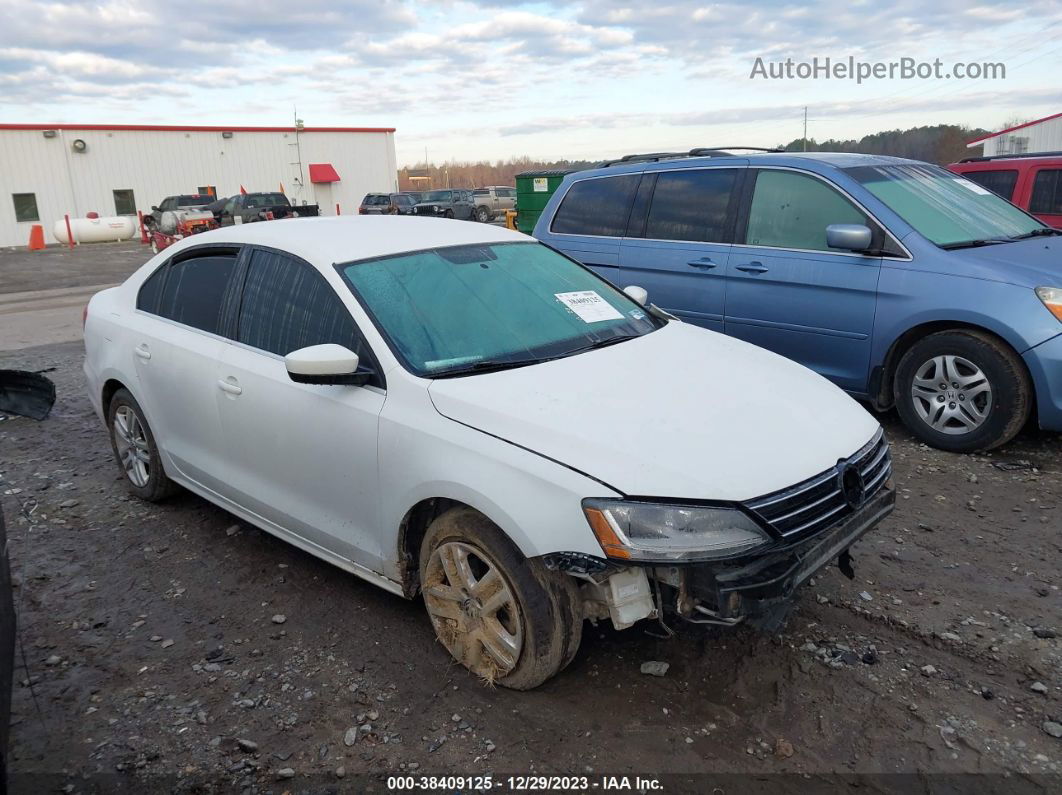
pixel 96 230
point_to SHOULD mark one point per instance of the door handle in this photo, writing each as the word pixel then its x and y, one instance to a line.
pixel 230 386
pixel 142 351
pixel 704 262
pixel 753 267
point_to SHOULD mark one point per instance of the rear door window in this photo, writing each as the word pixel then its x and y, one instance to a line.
pixel 999 181
pixel 1047 192
pixel 195 288
pixel 599 206
pixel 792 210
pixel 693 204
pixel 287 305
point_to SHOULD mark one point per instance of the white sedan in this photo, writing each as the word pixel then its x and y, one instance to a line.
pixel 458 411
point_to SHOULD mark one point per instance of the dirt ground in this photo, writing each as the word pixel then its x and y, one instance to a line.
pixel 152 657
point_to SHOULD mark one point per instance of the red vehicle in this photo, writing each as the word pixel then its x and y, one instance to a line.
pixel 1032 181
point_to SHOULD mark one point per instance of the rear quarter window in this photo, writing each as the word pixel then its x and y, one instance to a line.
pixel 195 289
pixel 999 181
pixel 598 206
pixel 1047 192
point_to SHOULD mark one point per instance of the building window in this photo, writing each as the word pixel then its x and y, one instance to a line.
pixel 124 204
pixel 26 207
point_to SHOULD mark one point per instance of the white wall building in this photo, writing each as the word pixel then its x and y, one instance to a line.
pixel 1042 135
pixel 47 170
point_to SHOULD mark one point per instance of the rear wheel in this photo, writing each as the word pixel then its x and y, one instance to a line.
pixel 962 391
pixel 508 619
pixel 135 449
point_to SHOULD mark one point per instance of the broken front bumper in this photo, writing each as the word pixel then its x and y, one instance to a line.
pixel 759 588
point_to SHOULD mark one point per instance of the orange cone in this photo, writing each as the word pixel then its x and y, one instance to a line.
pixel 36 241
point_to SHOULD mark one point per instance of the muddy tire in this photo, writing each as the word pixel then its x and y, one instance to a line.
pixel 508 619
pixel 962 391
pixel 135 450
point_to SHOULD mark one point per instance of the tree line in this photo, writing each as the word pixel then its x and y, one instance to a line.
pixel 941 143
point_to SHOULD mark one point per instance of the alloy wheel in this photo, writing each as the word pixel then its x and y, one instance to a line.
pixel 473 609
pixel 134 451
pixel 951 394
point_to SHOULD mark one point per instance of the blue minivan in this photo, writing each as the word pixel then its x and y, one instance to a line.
pixel 901 282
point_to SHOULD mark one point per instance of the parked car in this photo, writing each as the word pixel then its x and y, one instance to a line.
pixel 190 205
pixel 246 208
pixel 899 281
pixel 493 201
pixel 458 411
pixel 1030 181
pixel 386 204
pixel 456 203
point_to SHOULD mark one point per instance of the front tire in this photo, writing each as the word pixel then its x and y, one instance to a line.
pixel 508 619
pixel 482 215
pixel 448 213
pixel 135 449
pixel 962 391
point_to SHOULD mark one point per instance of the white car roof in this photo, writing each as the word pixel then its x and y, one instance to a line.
pixel 324 241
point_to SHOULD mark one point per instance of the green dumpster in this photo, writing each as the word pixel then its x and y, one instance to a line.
pixel 533 190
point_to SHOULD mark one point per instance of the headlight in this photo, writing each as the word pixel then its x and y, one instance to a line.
pixel 1052 298
pixel 658 532
pixel 435 208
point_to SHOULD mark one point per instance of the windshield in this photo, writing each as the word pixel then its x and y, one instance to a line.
pixel 943 207
pixel 437 196
pixel 460 309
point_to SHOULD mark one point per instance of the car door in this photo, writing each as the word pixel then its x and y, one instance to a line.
pixel 301 456
pixel 678 251
pixel 176 336
pixel 592 219
pixel 789 292
pixel 1045 201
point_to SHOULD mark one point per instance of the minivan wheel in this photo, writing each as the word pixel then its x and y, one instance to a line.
pixel 135 449
pixel 508 619
pixel 962 391
pixel 482 214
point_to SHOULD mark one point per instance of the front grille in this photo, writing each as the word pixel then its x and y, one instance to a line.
pixel 819 502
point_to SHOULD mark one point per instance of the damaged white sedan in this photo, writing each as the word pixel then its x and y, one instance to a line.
pixel 458 411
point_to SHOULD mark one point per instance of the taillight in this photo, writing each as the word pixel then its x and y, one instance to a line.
pixel 84 317
pixel 362 211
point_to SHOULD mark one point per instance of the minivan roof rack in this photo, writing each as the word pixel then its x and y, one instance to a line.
pixel 700 151
pixel 986 158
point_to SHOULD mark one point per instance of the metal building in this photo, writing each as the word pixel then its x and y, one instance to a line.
pixel 1041 135
pixel 48 170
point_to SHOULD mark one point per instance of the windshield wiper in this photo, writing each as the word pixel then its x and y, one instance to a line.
pixel 991 241
pixel 1043 232
pixel 494 365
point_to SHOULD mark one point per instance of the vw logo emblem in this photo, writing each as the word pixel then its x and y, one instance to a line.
pixel 850 480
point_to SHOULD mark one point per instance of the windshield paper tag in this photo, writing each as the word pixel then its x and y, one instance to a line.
pixel 974 187
pixel 589 306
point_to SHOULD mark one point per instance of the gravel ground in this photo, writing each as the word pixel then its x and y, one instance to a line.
pixel 172 647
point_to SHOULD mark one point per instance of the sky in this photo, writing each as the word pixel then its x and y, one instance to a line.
pixel 583 79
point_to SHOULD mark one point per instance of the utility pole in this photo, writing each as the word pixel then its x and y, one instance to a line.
pixel 805 128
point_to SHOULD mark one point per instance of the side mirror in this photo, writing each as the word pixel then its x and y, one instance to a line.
pixel 850 237
pixel 639 294
pixel 154 208
pixel 325 364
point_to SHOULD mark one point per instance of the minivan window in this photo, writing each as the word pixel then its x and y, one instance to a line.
pixel 691 205
pixel 999 181
pixel 1047 192
pixel 792 210
pixel 463 309
pixel 287 305
pixel 195 290
pixel 599 206
pixel 946 209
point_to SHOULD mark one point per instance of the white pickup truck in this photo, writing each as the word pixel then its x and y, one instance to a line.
pixel 492 201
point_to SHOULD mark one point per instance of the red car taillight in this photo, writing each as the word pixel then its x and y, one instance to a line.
pixel 362 211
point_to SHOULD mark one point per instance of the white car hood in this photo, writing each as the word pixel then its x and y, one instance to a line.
pixel 681 412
